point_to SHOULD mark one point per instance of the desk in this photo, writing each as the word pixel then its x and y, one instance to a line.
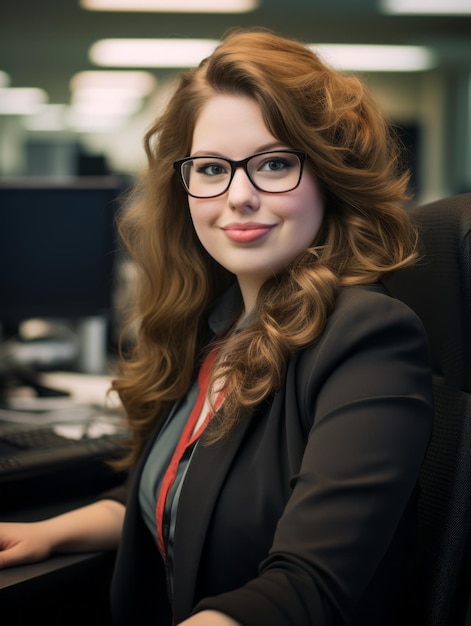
pixel 68 590
pixel 65 590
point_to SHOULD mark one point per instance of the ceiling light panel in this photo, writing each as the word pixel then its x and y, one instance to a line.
pixel 21 100
pixel 426 7
pixel 180 53
pixel 50 117
pixel 131 82
pixel 376 58
pixel 151 52
pixel 172 6
pixel 78 121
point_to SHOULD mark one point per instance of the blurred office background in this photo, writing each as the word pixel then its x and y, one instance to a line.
pixel 57 119
pixel 82 80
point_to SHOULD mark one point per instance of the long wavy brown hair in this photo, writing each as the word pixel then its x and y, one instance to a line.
pixel 365 233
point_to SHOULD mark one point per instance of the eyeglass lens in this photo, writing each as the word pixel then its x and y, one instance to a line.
pixel 275 172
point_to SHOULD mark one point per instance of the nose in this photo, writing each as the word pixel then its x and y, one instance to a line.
pixel 241 193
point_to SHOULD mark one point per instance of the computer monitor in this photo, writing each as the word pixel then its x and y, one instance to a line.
pixel 58 251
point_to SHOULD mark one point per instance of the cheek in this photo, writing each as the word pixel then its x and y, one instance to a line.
pixel 307 229
pixel 312 211
pixel 201 219
pixel 201 211
pixel 193 208
pixel 196 213
pixel 305 217
pixel 317 217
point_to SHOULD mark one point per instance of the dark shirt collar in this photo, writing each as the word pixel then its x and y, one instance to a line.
pixel 226 309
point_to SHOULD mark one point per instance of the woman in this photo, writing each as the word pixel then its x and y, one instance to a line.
pixel 278 397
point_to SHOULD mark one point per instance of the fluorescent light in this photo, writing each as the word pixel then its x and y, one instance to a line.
pixel 112 107
pixel 102 100
pixel 83 121
pixel 105 94
pixel 132 82
pixel 21 100
pixel 94 125
pixel 426 7
pixel 172 6
pixel 151 52
pixel 175 53
pixel 376 58
pixel 50 117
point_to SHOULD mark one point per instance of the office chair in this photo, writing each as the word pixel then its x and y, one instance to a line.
pixel 438 288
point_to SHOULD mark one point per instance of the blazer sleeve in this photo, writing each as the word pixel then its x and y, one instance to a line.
pixel 365 391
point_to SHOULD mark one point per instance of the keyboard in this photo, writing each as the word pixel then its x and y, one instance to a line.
pixel 27 450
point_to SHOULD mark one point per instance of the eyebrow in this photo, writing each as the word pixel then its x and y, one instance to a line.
pixel 264 148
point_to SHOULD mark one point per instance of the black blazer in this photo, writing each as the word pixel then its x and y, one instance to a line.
pixel 305 515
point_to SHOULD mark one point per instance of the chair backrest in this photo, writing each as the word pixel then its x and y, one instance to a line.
pixel 438 288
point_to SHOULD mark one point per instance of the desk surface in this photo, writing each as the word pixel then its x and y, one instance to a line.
pixel 67 589
pixel 25 574
pixel 21 574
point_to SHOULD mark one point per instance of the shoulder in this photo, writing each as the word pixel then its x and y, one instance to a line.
pixel 373 346
pixel 360 297
pixel 369 331
pixel 364 308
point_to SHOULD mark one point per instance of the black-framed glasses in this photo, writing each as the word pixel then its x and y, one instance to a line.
pixel 275 171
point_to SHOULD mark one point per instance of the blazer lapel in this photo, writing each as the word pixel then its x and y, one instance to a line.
pixel 201 487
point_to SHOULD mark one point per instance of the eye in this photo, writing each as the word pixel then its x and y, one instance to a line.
pixel 279 164
pixel 211 168
pixel 274 164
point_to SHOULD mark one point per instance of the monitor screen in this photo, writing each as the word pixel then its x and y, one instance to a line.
pixel 57 248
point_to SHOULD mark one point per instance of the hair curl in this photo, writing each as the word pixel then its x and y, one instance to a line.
pixel 365 232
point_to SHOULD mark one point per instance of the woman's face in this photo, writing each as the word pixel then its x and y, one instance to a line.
pixel 253 234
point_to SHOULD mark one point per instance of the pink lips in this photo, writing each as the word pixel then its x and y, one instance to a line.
pixel 246 232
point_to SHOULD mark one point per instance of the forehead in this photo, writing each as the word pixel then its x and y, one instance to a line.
pixel 231 125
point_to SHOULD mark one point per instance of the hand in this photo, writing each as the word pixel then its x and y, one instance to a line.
pixel 210 618
pixel 96 526
pixel 23 543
